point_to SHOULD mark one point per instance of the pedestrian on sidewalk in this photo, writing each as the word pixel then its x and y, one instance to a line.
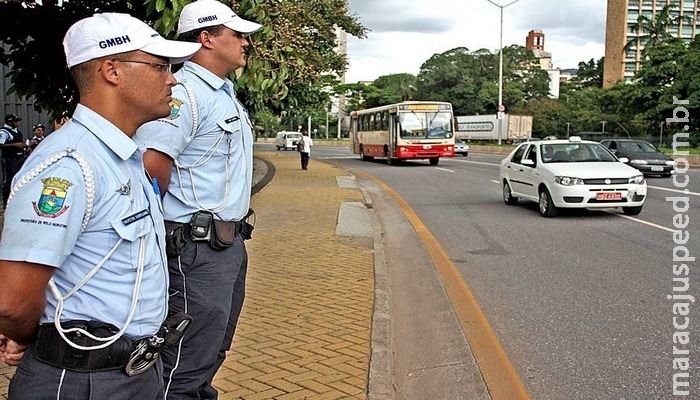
pixel 12 147
pixel 202 157
pixel 304 146
pixel 81 300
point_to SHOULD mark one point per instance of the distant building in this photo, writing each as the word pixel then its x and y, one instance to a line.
pixel 535 42
pixel 568 74
pixel 621 16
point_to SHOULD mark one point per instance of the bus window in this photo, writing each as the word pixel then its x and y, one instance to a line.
pixel 412 125
pixel 385 121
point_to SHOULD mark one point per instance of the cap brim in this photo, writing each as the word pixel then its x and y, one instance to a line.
pixel 241 25
pixel 177 52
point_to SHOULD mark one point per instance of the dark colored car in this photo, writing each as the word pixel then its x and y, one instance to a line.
pixel 641 155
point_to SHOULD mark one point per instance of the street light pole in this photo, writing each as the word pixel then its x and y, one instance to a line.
pixel 603 122
pixel 500 71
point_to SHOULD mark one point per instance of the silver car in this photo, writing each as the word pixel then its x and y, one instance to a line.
pixel 461 147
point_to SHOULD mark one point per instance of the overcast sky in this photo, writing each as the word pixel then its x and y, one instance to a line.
pixel 405 33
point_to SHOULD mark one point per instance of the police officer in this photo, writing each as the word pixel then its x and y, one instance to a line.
pixel 39 134
pixel 12 147
pixel 202 156
pixel 78 301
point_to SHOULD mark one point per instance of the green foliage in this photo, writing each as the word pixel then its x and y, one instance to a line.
pixel 293 53
pixel 469 80
pixel 590 74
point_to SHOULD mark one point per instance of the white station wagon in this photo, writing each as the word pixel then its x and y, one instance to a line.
pixel 571 173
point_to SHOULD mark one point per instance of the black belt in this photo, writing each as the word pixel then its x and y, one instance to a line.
pixel 52 349
pixel 235 226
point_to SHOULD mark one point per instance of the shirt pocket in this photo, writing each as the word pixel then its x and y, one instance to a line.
pixel 131 227
pixel 232 132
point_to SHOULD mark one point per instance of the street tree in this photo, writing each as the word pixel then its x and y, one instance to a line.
pixel 292 53
pixel 651 29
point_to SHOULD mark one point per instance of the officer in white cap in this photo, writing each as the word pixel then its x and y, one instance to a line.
pixel 82 302
pixel 202 156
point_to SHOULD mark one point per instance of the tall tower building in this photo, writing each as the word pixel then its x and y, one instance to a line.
pixel 535 43
pixel 622 15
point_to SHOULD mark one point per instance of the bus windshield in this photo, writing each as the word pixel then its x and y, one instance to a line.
pixel 422 125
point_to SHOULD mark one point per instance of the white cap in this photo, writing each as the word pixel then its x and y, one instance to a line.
pixel 113 33
pixel 203 13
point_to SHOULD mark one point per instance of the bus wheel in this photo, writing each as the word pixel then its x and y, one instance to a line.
pixel 363 157
pixel 391 161
pixel 434 161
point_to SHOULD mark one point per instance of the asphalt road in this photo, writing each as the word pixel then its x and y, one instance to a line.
pixel 579 301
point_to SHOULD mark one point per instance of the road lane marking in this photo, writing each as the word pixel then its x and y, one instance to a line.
pixel 499 374
pixel 445 169
pixel 641 221
pixel 674 190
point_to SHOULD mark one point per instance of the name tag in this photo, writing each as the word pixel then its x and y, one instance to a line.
pixel 135 217
pixel 232 119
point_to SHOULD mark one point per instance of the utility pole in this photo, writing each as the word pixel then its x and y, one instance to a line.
pixel 501 107
pixel 603 122
pixel 568 126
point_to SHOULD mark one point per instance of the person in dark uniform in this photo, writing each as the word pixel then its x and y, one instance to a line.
pixel 13 148
pixel 39 134
pixel 83 311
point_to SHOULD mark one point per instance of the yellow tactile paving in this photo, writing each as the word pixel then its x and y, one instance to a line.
pixel 305 328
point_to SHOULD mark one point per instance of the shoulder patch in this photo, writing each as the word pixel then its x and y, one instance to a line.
pixel 175 106
pixel 52 199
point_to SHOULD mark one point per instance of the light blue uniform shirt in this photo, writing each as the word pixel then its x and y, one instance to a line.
pixel 44 217
pixel 214 169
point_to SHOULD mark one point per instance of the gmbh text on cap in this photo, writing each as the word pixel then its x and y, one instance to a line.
pixel 12 117
pixel 107 34
pixel 203 13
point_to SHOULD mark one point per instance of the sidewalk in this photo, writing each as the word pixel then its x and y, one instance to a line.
pixel 305 329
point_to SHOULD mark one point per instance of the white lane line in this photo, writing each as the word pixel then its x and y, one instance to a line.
pixel 444 169
pixel 686 191
pixel 663 228
pixel 476 162
pixel 495 181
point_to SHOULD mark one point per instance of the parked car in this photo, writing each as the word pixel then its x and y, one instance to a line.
pixel 641 155
pixel 571 173
pixel 461 147
pixel 287 140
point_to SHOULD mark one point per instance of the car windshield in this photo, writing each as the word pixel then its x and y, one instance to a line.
pixel 576 152
pixel 637 147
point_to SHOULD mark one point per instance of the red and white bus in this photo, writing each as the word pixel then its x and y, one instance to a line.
pixel 412 130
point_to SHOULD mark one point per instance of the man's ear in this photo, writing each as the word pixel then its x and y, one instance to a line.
pixel 205 38
pixel 110 71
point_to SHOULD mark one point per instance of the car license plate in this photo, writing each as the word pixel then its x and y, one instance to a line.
pixel 657 169
pixel 608 196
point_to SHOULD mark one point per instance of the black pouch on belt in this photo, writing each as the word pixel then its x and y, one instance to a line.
pixel 174 239
pixel 222 237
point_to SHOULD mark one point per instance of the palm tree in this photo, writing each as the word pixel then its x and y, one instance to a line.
pixel 650 31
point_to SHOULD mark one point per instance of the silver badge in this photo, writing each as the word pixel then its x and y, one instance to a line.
pixel 125 189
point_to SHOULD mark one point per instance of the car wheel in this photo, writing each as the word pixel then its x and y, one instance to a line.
pixel 508 195
pixel 632 210
pixel 547 207
pixel 434 161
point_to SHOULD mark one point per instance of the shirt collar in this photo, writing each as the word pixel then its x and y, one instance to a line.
pixel 207 76
pixel 110 135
